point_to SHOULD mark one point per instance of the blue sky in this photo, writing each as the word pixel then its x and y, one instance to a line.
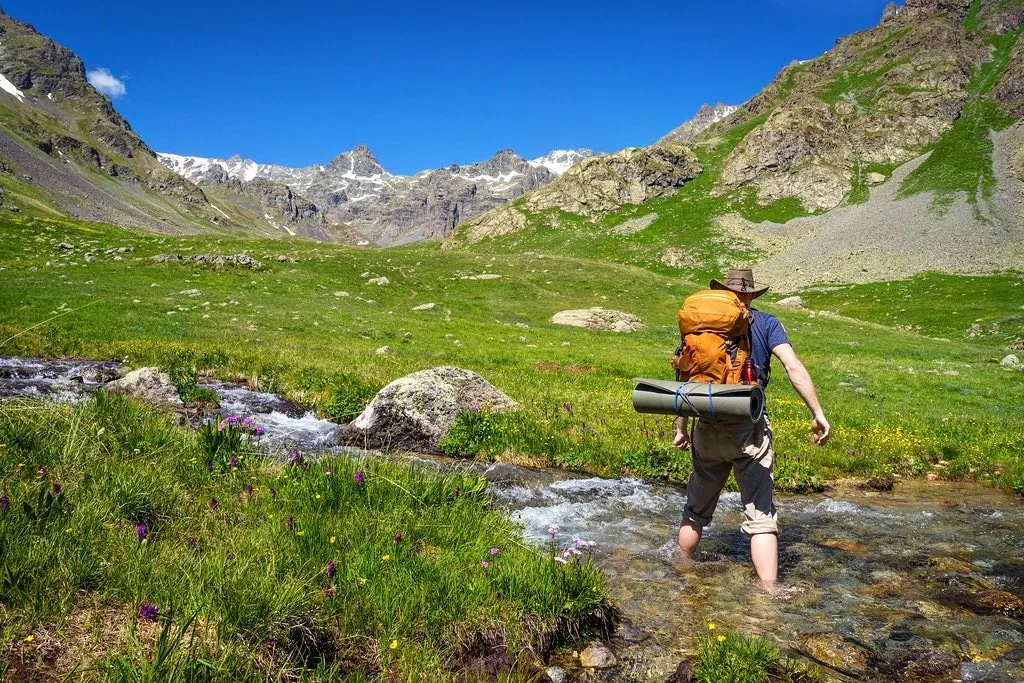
pixel 427 84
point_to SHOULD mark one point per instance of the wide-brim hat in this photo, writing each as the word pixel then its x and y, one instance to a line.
pixel 741 281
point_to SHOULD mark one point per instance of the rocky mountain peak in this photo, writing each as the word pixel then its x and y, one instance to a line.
pixel 357 162
pixel 705 117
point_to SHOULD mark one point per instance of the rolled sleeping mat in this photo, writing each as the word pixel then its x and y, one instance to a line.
pixel 725 402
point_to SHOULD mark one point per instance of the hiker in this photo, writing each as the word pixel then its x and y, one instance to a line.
pixel 745 448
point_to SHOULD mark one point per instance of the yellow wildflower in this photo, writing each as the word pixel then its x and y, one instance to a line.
pixel 711 626
pixel 29 638
pixel 318 496
pixel 69 530
pixel 333 539
pixel 393 645
pixel 362 581
pixel 386 558
pixel 721 638
pixel 300 533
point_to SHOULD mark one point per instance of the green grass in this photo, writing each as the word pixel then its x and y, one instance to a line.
pixel 900 400
pixel 961 162
pixel 252 570
pixel 733 658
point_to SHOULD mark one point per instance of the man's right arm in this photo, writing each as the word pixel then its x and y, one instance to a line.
pixel 804 386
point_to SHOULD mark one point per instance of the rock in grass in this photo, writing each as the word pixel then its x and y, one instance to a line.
pixel 423 307
pixel 597 656
pixel 791 302
pixel 416 411
pixel 148 384
pixel 598 318
pixel 1011 361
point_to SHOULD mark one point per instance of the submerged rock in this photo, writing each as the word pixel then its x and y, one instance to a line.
pixel 977 595
pixel 416 411
pixel 148 384
pixel 924 666
pixel 838 652
pixel 598 656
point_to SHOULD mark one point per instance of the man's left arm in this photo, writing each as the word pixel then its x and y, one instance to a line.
pixel 804 386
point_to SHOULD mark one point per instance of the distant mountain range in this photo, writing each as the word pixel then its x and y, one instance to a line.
pixel 387 208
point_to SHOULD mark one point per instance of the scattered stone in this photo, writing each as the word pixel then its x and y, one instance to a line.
pixel 148 384
pixel 874 178
pixel 414 412
pixel 481 276
pixel 683 673
pixel 791 302
pixel 1011 361
pixel 191 292
pixel 124 250
pixel 878 484
pixel 216 262
pixel 975 331
pixel 65 246
pixel 853 344
pixel 341 295
pixel 597 656
pixel 282 259
pixel 838 652
pixel 423 307
pixel 557 674
pixel 383 351
pixel 931 476
pixel 599 319
pixel 380 281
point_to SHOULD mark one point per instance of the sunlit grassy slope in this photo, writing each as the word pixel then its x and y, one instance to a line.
pixel 899 401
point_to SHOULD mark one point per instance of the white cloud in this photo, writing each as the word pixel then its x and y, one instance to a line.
pixel 106 82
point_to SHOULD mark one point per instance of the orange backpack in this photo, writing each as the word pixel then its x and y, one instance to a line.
pixel 714 326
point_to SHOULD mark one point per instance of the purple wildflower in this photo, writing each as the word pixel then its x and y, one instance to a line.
pixel 329 592
pixel 258 430
pixel 475 408
pixel 248 422
pixel 332 569
pixel 494 551
pixel 553 529
pixel 5 503
pixel 572 552
pixel 233 420
pixel 214 504
pixel 398 537
pixel 221 426
pixel 248 490
pixel 149 611
pixel 56 489
pixel 290 524
pixel 359 477
pixel 192 542
pixel 458 491
pixel 141 532
pixel 568 407
pixel 295 459
pixel 233 463
pixel 273 492
pixel 209 464
pixel 485 564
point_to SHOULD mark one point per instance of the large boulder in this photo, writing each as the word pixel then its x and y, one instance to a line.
pixel 598 318
pixel 148 384
pixel 416 411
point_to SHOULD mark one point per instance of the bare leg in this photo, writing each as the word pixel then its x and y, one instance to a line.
pixel 764 551
pixel 689 537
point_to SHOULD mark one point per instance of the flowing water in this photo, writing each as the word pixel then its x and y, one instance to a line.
pixel 929 567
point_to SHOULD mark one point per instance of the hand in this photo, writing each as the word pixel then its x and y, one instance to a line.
pixel 681 440
pixel 820 430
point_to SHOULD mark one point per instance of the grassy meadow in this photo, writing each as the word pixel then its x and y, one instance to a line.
pixel 908 373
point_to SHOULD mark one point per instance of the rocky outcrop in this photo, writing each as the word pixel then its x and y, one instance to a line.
pixel 416 411
pixel 597 185
pixel 706 116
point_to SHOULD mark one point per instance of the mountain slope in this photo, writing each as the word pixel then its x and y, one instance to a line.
pixel 64 150
pixel 355 189
pixel 934 90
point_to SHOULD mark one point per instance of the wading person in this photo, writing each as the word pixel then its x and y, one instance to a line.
pixel 744 448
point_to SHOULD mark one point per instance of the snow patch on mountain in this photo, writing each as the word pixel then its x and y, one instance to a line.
pixel 8 87
pixel 560 160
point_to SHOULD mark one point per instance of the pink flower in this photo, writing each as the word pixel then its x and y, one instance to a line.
pixel 485 564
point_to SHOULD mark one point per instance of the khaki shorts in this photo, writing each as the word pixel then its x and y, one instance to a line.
pixel 743 448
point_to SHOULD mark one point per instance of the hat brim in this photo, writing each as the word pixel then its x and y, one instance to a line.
pixel 758 291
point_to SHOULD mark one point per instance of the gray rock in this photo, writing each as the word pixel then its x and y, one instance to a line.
pixel 383 351
pixel 557 674
pixel 597 656
pixel 416 411
pixel 191 292
pixel 148 384
pixel 423 307
pixel 379 281
pixel 1011 361
pixel 341 295
pixel 599 319
pixel 792 302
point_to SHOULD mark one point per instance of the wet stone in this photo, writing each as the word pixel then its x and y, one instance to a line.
pixel 682 674
pixel 924 666
pixel 597 656
pixel 838 652
pixel 977 595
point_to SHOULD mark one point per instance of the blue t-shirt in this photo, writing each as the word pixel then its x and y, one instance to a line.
pixel 766 333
